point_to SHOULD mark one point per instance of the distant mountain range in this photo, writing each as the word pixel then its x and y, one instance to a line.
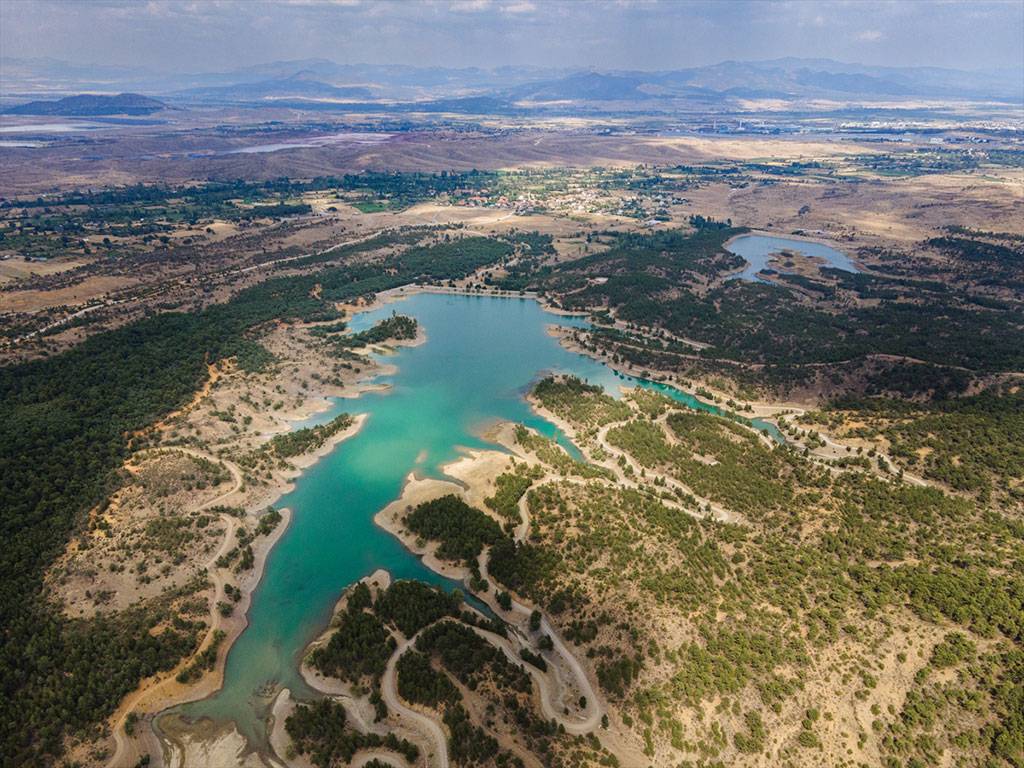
pixel 299 85
pixel 88 105
pixel 26 76
pixel 781 78
pixel 321 80
pixel 586 86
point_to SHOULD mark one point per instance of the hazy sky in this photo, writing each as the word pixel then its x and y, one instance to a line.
pixel 204 35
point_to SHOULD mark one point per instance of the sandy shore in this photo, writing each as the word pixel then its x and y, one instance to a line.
pixel 416 491
pixel 283 706
pixel 392 295
pixel 207 744
pixel 472 478
pixel 157 695
pixel 762 409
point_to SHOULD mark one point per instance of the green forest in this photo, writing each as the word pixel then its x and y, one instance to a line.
pixel 307 439
pixel 319 730
pixel 65 424
pixel 820 560
pixel 766 324
pixel 461 530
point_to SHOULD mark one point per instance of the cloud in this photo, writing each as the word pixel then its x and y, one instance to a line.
pixel 469 6
pixel 197 35
pixel 343 3
pixel 520 6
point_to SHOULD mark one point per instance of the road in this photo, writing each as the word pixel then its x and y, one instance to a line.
pixel 389 692
pixel 158 289
pixel 553 709
pixel 126 751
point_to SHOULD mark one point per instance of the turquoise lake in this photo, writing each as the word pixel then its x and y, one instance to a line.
pixel 757 249
pixel 481 356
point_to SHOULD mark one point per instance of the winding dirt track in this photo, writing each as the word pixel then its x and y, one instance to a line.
pixel 717 510
pixel 551 695
pixel 433 728
pixel 549 703
pixel 126 751
pixel 548 694
pixel 389 692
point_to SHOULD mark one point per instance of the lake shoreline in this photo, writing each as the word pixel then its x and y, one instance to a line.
pixel 820 240
pixel 399 293
pixel 169 693
pixel 283 483
pixel 235 624
pixel 754 264
pixel 766 410
pixel 474 458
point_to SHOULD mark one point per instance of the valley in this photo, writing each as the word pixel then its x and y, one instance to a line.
pixel 399 416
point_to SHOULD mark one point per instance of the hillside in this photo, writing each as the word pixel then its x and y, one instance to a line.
pixel 299 85
pixel 89 105
pixel 790 77
pixel 783 78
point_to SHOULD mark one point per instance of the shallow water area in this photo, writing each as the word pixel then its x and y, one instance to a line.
pixel 69 127
pixel 481 356
pixel 347 138
pixel 758 249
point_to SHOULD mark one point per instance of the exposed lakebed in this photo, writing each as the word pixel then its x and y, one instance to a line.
pixel 480 359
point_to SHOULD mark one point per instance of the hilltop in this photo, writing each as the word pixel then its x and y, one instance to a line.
pixel 89 105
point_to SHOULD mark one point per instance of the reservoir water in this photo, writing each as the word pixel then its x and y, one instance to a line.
pixel 479 360
pixel 757 249
pixel 79 125
pixel 348 138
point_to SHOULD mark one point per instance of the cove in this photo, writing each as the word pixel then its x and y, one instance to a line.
pixel 756 250
pixel 481 357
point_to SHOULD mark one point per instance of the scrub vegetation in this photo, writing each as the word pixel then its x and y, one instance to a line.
pixel 737 600
pixel 926 329
pixel 66 429
pixel 510 489
pixel 970 444
pixel 813 601
pixel 319 731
